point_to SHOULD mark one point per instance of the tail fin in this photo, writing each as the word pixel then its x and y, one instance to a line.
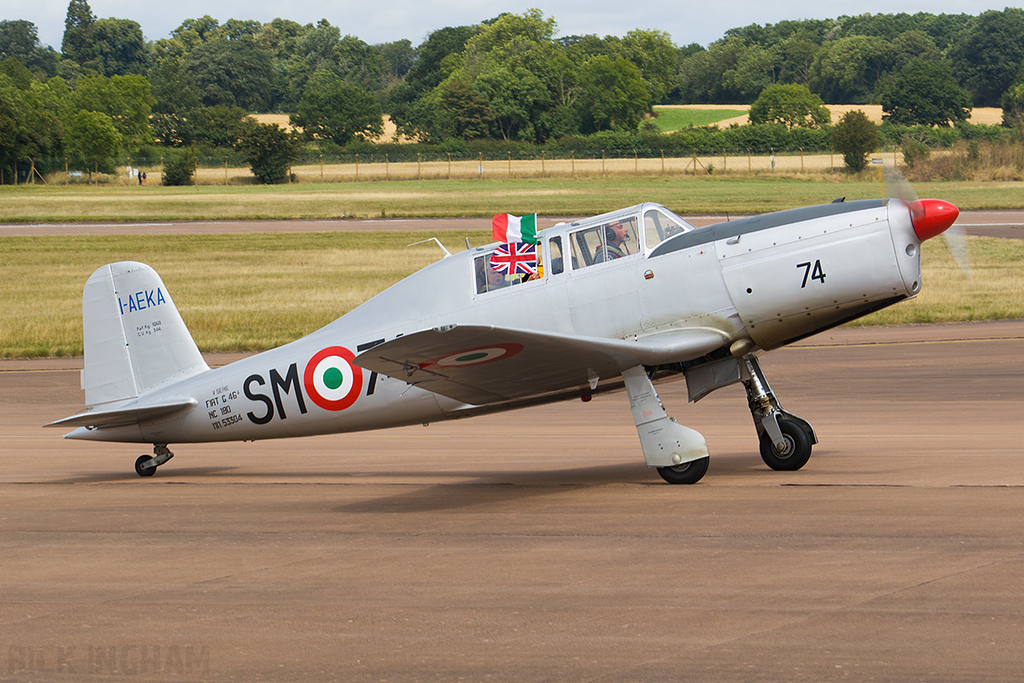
pixel 134 336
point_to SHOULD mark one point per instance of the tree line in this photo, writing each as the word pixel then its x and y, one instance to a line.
pixel 511 78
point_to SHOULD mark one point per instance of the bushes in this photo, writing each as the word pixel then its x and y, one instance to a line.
pixel 181 168
pixel 855 137
pixel 270 151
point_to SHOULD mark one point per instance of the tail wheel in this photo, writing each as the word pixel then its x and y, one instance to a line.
pixel 141 469
pixel 687 473
pixel 797 450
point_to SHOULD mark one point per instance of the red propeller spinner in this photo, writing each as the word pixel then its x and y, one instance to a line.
pixel 932 217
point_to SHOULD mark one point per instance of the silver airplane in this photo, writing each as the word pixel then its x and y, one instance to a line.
pixel 620 300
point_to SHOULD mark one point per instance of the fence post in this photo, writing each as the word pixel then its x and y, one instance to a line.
pixel 636 163
pixel 725 161
pixel 694 162
pixel 602 162
pixel 357 167
pixel 321 168
pixel 419 162
pixel 480 165
pixel 801 159
pixel 573 162
pixel 510 164
pixel 387 168
pixel 543 170
pixel 662 162
pixel 749 168
pixel 225 170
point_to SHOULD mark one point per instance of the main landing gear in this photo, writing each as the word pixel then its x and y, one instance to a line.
pixel 146 465
pixel 786 439
pixel 680 454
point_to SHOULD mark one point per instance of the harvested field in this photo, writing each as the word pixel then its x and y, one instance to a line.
pixel 989 115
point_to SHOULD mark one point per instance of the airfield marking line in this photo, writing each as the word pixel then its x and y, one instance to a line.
pixel 900 343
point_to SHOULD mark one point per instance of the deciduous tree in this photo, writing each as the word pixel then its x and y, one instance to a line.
pixel 126 100
pixel 92 137
pixel 793 105
pixel 339 111
pixel 235 73
pixel 855 136
pixel 270 151
pixel 925 93
pixel 614 95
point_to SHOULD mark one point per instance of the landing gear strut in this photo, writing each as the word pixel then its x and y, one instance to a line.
pixel 146 465
pixel 679 453
pixel 786 439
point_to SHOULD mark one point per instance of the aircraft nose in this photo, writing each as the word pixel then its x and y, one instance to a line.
pixel 931 217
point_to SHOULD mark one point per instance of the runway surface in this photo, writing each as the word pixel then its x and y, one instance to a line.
pixel 536 546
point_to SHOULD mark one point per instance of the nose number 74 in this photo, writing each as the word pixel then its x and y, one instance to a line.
pixel 816 274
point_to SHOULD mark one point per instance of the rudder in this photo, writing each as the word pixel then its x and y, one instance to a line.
pixel 134 336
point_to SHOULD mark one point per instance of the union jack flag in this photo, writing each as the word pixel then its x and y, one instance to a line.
pixel 515 257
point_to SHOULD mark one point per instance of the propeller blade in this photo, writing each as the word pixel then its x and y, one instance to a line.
pixel 956 239
pixel 932 214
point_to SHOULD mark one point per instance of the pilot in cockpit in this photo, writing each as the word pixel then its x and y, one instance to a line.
pixel 616 234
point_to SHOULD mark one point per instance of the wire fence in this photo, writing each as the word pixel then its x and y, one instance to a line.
pixel 231 169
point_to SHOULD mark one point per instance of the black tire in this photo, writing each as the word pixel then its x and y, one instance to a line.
pixel 687 473
pixel 144 471
pixel 797 452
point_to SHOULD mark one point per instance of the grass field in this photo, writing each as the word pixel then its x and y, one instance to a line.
pixel 563 196
pixel 247 292
pixel 256 291
pixel 670 119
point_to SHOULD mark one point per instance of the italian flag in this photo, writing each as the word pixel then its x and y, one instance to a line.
pixel 508 228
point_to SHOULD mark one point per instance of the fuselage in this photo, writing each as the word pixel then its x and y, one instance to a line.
pixel 760 282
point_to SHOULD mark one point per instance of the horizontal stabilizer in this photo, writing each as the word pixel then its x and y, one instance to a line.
pixel 122 417
pixel 480 364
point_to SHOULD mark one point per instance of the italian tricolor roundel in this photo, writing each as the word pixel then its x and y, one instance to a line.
pixel 475 356
pixel 332 381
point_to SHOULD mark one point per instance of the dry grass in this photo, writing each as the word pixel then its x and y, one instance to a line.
pixel 989 115
pixel 251 292
pixel 390 130
pixel 236 292
pixel 994 290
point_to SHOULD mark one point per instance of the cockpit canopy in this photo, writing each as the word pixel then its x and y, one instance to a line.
pixel 623 233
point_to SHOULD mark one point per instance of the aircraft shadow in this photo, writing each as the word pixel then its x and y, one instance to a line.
pixel 489 489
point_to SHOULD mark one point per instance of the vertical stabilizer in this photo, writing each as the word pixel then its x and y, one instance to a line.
pixel 134 337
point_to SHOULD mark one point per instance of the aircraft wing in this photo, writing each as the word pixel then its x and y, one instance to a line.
pixel 121 417
pixel 481 364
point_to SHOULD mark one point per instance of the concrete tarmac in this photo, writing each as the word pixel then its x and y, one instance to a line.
pixel 535 545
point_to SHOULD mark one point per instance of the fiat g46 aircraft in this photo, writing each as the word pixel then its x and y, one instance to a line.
pixel 617 301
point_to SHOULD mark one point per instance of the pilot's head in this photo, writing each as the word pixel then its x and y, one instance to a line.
pixel 494 278
pixel 616 233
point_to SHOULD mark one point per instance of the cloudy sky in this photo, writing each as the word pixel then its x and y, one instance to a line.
pixel 687 22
